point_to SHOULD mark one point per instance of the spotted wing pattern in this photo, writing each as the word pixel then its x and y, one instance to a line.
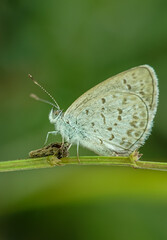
pixel 115 117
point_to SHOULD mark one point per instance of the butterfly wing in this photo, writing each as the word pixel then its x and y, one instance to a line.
pixel 116 115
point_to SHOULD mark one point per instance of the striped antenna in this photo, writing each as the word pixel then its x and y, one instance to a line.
pixel 42 100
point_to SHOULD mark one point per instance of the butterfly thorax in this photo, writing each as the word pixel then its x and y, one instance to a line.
pixel 66 126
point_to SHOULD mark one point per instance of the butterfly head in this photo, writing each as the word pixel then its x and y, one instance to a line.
pixel 54 114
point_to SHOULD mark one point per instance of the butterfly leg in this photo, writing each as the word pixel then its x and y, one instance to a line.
pixel 69 146
pixel 62 141
pixel 52 132
pixel 78 152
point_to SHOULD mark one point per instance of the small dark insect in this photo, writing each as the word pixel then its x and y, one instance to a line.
pixel 57 149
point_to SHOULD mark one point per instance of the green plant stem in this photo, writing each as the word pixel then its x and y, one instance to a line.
pixel 51 161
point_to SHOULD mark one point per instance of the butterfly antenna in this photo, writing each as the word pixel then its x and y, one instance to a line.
pixel 42 100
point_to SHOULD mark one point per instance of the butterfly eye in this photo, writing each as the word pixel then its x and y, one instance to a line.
pixel 55 113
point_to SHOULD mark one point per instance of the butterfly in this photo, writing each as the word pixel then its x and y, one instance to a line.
pixel 114 118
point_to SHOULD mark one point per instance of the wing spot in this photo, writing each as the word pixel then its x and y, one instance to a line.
pixel 129 87
pixel 111 138
pixel 93 124
pixel 133 124
pixel 101 141
pixel 137 134
pixel 129 132
pixel 103 109
pixel 103 100
pixel 87 111
pixel 142 124
pixel 133 75
pixel 124 80
pixel 109 129
pixel 119 110
pixel 147 99
pixel 104 119
pixel 142 93
pixel 124 101
pixel 143 114
pixel 119 118
pixel 123 141
pixel 135 117
pixel 115 124
pixel 127 144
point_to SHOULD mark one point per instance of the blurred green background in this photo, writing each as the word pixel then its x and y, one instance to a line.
pixel 70 46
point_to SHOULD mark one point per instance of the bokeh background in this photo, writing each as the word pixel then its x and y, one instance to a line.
pixel 70 46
